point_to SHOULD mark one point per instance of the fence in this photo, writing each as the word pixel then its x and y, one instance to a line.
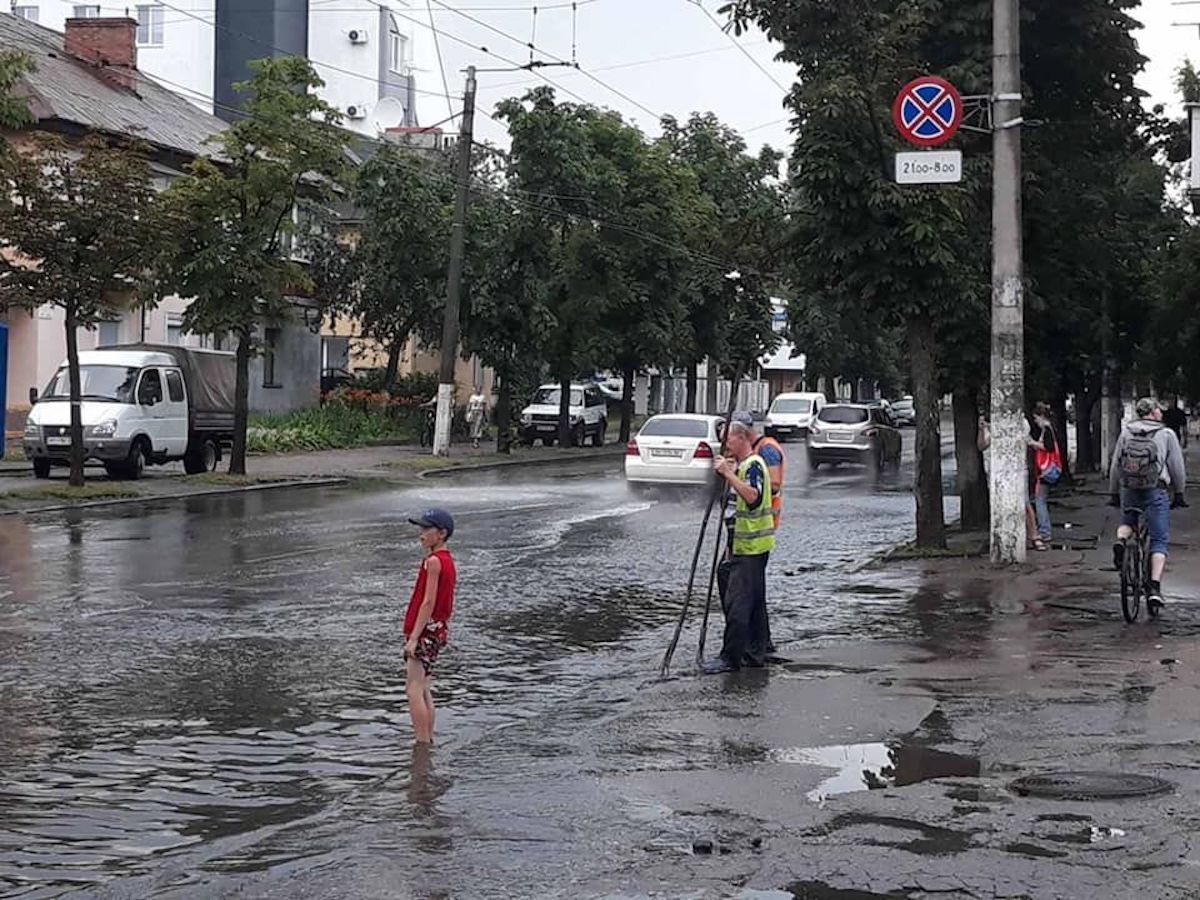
pixel 668 394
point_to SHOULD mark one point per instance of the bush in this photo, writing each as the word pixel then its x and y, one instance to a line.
pixel 350 421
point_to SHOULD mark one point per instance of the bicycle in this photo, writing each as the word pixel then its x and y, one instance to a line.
pixel 1135 570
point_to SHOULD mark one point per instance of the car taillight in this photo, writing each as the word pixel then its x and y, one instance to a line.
pixel 703 451
pixel 631 449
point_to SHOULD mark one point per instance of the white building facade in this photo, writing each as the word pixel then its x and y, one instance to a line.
pixel 363 50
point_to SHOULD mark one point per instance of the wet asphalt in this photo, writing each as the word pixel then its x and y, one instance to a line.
pixel 204 697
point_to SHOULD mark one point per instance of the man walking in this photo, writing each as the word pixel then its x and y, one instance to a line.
pixel 746 635
pixel 1147 467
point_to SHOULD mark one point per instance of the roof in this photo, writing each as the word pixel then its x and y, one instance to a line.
pixel 67 89
pixel 135 359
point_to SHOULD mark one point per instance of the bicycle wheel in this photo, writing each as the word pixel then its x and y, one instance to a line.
pixel 1131 582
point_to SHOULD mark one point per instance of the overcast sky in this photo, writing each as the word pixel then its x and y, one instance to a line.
pixel 629 44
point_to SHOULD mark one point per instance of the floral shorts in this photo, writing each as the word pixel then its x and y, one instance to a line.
pixel 431 642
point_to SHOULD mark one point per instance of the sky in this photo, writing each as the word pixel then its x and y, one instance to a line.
pixel 645 58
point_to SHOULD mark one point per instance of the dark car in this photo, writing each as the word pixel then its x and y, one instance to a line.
pixel 854 432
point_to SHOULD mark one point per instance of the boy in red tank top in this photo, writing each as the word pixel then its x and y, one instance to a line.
pixel 426 624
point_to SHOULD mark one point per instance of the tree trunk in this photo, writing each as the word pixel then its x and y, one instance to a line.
pixel 76 400
pixel 393 365
pixel 931 523
pixel 711 387
pixel 975 510
pixel 1059 410
pixel 1110 413
pixel 693 385
pixel 241 403
pixel 564 412
pixel 504 413
pixel 854 390
pixel 830 389
pixel 627 379
pixel 1085 450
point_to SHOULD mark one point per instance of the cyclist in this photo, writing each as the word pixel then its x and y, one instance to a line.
pixel 1147 466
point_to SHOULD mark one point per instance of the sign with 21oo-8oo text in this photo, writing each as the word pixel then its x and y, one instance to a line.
pixel 929 167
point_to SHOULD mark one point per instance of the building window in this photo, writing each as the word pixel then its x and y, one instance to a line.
pixel 270 345
pixel 28 13
pixel 87 12
pixel 174 330
pixel 150 26
pixel 108 334
pixel 397 51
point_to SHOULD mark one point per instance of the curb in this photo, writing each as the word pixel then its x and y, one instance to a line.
pixel 216 492
pixel 605 453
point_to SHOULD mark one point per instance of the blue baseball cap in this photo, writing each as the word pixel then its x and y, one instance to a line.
pixel 435 518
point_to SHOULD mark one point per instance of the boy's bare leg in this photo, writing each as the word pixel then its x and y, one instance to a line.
pixel 419 709
pixel 430 707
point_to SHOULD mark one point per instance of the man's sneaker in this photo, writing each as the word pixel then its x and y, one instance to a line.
pixel 1118 555
pixel 1154 597
pixel 716 666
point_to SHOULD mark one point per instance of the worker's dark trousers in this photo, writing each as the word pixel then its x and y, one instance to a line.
pixel 743 584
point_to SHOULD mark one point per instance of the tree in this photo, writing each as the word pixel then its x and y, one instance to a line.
pixel 862 245
pixel 75 233
pixel 232 217
pixel 14 110
pixel 406 200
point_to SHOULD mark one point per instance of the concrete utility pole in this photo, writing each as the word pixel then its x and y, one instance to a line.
pixel 445 395
pixel 1008 477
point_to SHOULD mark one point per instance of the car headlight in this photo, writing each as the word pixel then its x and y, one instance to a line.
pixel 31 430
pixel 104 429
pixel 526 419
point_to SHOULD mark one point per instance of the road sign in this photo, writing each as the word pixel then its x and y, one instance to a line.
pixel 928 111
pixel 929 167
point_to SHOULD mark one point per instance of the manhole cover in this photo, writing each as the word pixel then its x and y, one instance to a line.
pixel 1089 785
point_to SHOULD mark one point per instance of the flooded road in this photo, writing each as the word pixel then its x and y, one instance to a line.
pixel 205 697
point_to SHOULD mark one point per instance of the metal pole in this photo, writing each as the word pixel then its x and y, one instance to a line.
pixel 1008 476
pixel 445 395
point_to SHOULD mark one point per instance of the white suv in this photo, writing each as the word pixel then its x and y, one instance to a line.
pixel 589 415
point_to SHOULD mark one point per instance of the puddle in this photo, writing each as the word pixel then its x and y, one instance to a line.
pixel 1033 850
pixel 893 831
pixel 819 890
pixel 868 767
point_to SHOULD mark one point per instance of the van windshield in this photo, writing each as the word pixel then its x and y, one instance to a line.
pixel 791 405
pixel 553 396
pixel 113 384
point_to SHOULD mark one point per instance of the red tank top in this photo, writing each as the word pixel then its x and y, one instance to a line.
pixel 443 603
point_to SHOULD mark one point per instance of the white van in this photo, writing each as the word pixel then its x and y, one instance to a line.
pixel 791 415
pixel 142 405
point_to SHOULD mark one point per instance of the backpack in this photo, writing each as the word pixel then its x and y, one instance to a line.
pixel 1139 463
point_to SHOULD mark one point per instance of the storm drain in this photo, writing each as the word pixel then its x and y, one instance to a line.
pixel 1089 786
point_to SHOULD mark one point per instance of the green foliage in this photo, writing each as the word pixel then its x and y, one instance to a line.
pixel 75 233
pixel 14 110
pixel 329 427
pixel 231 218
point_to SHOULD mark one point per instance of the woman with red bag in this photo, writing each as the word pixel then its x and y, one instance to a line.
pixel 1045 469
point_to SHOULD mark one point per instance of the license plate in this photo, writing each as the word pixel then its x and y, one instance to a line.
pixel 844 437
pixel 547 428
pixel 667 454
pixel 58 441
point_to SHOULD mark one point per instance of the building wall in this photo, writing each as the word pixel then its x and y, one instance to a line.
pixel 245 32
pixel 297 382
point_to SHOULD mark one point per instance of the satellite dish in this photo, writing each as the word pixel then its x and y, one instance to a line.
pixel 388 113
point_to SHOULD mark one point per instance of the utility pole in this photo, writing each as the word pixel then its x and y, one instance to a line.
pixel 1008 477
pixel 445 395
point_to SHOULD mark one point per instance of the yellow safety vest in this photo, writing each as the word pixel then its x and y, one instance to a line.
pixel 754 529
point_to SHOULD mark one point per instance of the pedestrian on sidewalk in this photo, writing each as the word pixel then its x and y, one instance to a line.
pixel 1176 419
pixel 426 624
pixel 1045 467
pixel 745 640
pixel 477 415
pixel 1147 467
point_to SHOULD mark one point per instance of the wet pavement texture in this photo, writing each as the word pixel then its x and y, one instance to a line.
pixel 203 699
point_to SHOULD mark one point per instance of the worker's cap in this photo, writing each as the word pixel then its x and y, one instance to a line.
pixel 435 518
pixel 743 418
pixel 1147 405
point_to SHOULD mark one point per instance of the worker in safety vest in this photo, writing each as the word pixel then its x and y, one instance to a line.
pixel 745 602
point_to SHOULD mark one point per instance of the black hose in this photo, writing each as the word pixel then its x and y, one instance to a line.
pixel 718 489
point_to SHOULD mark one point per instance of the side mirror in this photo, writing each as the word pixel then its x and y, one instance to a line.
pixel 33 396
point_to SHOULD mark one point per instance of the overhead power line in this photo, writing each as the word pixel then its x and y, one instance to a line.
pixel 746 53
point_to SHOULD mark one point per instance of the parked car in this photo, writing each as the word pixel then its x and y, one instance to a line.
pixel 854 432
pixel 589 415
pixel 904 412
pixel 673 449
pixel 143 404
pixel 791 414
